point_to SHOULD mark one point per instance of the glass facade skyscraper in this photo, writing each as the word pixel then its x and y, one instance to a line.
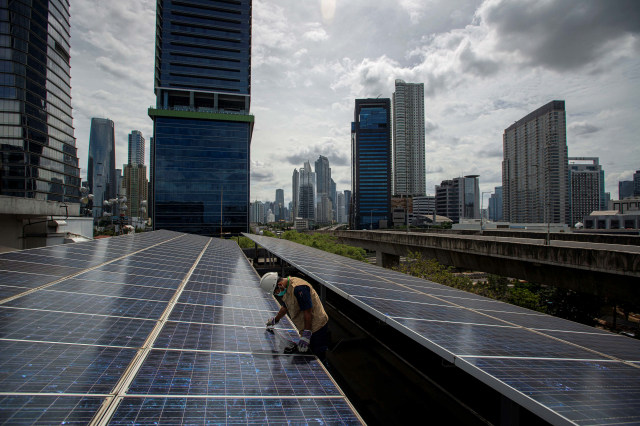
pixel 101 168
pixel 136 148
pixel 38 156
pixel 371 162
pixel 200 152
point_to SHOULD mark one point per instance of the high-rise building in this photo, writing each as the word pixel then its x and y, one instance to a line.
pixel 340 209
pixel 495 205
pixel 347 206
pixel 38 155
pixel 257 212
pixel 136 147
pixel 136 184
pixel 325 209
pixel 586 187
pixel 636 184
pixel 424 205
pixel 201 123
pixel 323 175
pixel 408 139
pixel 101 168
pixel 279 205
pixel 307 193
pixel 371 163
pixel 458 198
pixel 295 193
pixel 625 189
pixel 534 169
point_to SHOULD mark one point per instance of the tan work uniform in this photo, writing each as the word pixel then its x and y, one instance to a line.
pixel 318 316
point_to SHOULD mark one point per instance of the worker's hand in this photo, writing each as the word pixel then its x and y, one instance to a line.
pixel 305 338
pixel 271 323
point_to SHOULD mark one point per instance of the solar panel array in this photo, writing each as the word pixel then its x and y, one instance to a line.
pixel 156 328
pixel 565 372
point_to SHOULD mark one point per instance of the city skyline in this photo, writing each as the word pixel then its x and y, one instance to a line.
pixel 479 77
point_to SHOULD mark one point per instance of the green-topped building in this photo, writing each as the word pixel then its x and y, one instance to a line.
pixel 200 151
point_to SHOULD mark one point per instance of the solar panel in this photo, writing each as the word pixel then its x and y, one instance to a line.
pixel 154 327
pixel 558 369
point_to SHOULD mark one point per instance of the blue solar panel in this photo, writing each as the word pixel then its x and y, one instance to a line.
pixel 88 304
pixel 122 278
pixel 80 335
pixel 209 337
pixel 40 409
pixel 153 411
pixel 113 289
pixel 61 368
pixel 25 279
pixel 167 372
pixel 511 348
pixel 46 326
pixel 219 315
pixel 9 291
pixel 585 392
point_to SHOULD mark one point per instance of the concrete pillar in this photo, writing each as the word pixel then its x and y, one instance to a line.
pixel 387 260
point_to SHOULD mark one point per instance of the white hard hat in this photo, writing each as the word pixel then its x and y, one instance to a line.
pixel 269 281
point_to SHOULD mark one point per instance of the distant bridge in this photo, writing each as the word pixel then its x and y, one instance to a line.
pixel 604 269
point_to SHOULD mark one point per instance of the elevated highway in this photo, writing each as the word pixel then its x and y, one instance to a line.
pixel 604 269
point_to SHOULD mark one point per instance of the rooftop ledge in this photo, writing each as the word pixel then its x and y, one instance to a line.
pixel 201 115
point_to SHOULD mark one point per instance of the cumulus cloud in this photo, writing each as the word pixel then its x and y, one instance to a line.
pixel 583 128
pixel 312 152
pixel 561 35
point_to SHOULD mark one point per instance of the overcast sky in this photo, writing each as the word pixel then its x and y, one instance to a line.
pixel 485 64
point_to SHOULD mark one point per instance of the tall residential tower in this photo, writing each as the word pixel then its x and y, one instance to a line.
pixel 408 139
pixel 534 169
pixel 201 122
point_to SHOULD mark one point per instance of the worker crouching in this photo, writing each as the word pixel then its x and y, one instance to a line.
pixel 303 305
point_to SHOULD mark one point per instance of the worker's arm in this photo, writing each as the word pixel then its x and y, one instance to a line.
pixel 282 312
pixel 307 319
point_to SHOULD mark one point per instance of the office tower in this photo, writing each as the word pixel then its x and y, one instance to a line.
pixel 295 193
pixel 586 179
pixel 38 156
pixel 324 209
pixel 347 206
pixel 136 147
pixel 636 184
pixel 279 205
pixel 625 189
pixel 495 205
pixel 257 212
pixel 101 168
pixel 340 208
pixel 408 139
pixel 323 175
pixel 534 169
pixel 307 193
pixel 458 198
pixel 371 163
pixel 201 123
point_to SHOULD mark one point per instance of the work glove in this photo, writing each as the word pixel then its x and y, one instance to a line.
pixel 271 322
pixel 305 338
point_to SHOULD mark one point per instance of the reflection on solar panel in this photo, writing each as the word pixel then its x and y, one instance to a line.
pixel 564 372
pixel 158 327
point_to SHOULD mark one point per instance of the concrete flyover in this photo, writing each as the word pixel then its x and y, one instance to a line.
pixel 606 270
